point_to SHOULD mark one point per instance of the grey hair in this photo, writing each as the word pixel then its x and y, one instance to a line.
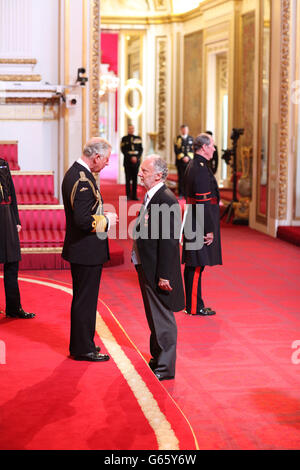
pixel 101 147
pixel 200 140
pixel 160 166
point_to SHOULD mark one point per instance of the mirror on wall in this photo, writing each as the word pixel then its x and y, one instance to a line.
pixel 263 122
pixel 133 80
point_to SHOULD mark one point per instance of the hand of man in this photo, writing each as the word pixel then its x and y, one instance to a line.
pixel 133 159
pixel 208 238
pixel 164 284
pixel 112 217
pixel 19 228
pixel 186 159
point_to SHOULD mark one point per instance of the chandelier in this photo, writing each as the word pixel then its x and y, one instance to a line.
pixel 109 82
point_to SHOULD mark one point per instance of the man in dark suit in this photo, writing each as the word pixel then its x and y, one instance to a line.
pixel 201 189
pixel 10 253
pixel 86 245
pixel 183 148
pixel 132 149
pixel 157 259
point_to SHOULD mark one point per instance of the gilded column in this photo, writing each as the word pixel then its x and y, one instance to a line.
pixel 94 72
pixel 284 107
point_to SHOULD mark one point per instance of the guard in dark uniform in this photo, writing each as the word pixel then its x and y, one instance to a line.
pixel 132 149
pixel 201 188
pixel 85 245
pixel 214 162
pixel 183 148
pixel 10 252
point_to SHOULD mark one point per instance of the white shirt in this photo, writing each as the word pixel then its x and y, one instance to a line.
pixel 81 162
pixel 135 258
pixel 152 191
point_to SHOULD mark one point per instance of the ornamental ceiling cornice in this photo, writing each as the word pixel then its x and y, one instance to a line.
pixel 159 15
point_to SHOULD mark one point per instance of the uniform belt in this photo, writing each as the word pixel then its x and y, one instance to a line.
pixel 6 203
pixel 192 200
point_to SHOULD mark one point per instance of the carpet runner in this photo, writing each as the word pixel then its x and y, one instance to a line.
pixel 49 401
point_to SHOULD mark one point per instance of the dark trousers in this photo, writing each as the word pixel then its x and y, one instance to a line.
pixel 163 328
pixel 193 288
pixel 181 167
pixel 131 173
pixel 86 282
pixel 11 287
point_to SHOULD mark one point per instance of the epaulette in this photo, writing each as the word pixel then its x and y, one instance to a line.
pixel 84 179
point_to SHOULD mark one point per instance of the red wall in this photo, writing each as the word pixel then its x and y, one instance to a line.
pixel 109 55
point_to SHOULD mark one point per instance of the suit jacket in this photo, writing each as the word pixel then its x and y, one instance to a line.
pixel 201 187
pixel 131 146
pixel 158 246
pixel 83 210
pixel 9 217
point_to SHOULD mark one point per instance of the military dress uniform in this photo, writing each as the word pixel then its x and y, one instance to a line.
pixel 201 188
pixel 131 146
pixel 10 252
pixel 86 248
pixel 214 162
pixel 183 147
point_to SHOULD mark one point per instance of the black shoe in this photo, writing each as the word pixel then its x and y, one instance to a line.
pixel 92 357
pixel 204 312
pixel 161 377
pixel 152 363
pixel 20 314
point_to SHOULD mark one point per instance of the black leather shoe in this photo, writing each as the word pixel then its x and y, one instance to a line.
pixel 162 377
pixel 92 357
pixel 20 314
pixel 204 312
pixel 152 363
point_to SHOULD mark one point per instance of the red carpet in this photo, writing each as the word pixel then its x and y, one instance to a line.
pixel 63 404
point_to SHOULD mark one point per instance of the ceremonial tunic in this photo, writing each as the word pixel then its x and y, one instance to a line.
pixel 200 188
pixel 9 217
pixel 10 252
pixel 86 250
pixel 131 146
pixel 183 147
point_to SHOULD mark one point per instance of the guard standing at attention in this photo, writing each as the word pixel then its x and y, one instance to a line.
pixel 183 148
pixel 201 188
pixel 132 149
pixel 10 252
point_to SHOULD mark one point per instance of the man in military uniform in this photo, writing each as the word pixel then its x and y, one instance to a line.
pixel 132 149
pixel 201 188
pixel 183 148
pixel 86 245
pixel 10 252
pixel 213 163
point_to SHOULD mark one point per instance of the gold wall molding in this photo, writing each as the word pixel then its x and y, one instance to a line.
pixel 32 100
pixel 284 99
pixel 193 82
pixel 94 67
pixel 18 61
pixel 20 78
pixel 161 92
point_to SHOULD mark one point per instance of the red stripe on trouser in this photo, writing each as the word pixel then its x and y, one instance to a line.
pixel 195 290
